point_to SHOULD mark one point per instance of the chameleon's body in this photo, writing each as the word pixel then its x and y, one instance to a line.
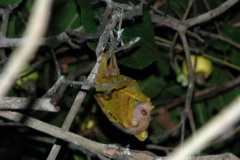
pixel 123 103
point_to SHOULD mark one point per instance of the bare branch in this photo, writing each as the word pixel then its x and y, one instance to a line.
pixel 220 37
pixel 183 25
pixel 95 148
pixel 211 14
pixel 190 91
pixel 17 103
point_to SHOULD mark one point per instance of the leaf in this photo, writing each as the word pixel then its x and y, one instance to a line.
pixel 219 45
pixel 202 113
pixel 235 56
pixel 230 32
pixel 65 14
pixel 145 51
pixel 149 85
pixel 164 67
pixel 5 3
pixel 88 16
pixel 89 12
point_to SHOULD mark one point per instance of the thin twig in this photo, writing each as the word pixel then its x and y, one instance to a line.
pixel 220 37
pixel 161 148
pixel 208 8
pixel 175 37
pixel 4 24
pixel 57 68
pixel 54 88
pixel 191 78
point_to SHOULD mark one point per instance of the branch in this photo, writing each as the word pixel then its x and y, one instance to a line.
pixel 180 26
pixel 211 14
pixel 17 103
pixel 109 151
pixel 95 148
pixel 221 38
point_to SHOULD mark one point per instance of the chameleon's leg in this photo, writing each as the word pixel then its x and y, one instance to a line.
pixel 113 67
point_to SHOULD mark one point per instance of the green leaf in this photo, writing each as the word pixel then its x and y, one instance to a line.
pixel 201 112
pixel 218 77
pixel 65 14
pixel 219 45
pixel 144 52
pixel 88 16
pixel 5 3
pixel 148 86
pixel 235 58
pixel 89 12
pixel 163 65
pixel 230 32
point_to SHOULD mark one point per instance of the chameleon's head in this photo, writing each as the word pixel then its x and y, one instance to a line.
pixel 141 117
pixel 140 120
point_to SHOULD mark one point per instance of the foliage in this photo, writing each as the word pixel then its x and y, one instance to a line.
pixel 146 62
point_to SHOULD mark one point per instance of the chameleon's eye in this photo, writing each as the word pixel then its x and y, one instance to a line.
pixel 144 112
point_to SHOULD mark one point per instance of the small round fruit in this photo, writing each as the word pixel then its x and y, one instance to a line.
pixel 202 66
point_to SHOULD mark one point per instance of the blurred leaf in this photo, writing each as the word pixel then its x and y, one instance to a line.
pixel 201 113
pixel 163 64
pixel 77 157
pixel 144 52
pixel 151 86
pixel 230 32
pixel 219 76
pixel 11 26
pixel 88 15
pixel 235 56
pixel 5 3
pixel 219 45
pixel 89 12
pixel 65 14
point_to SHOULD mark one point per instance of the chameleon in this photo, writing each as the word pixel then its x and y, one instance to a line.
pixel 123 103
